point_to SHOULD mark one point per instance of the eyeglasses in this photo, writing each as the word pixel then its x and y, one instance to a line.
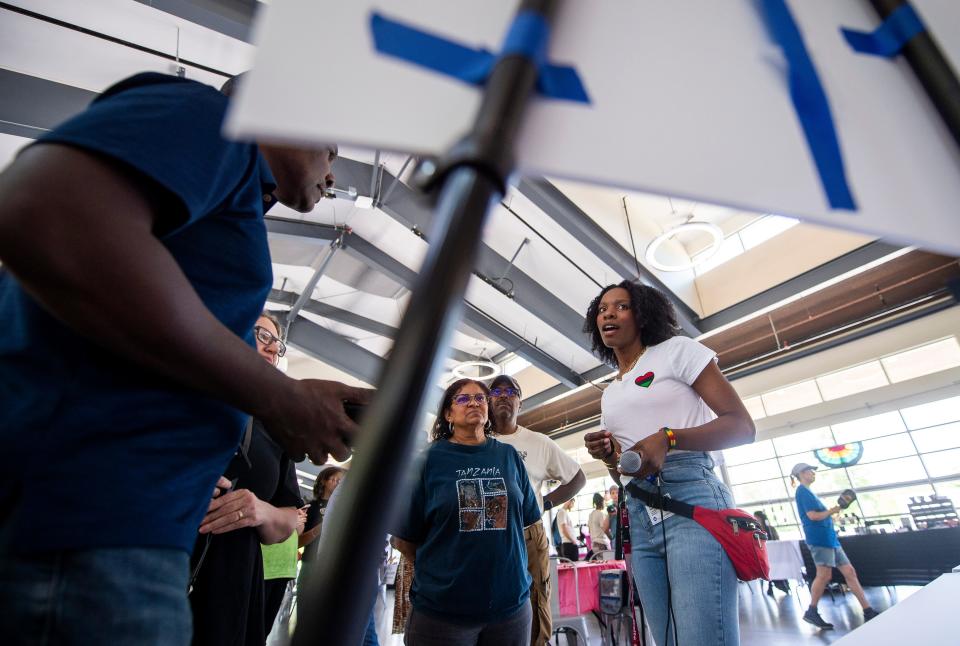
pixel 463 400
pixel 504 392
pixel 266 337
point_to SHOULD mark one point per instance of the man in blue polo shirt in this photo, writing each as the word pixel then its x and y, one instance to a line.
pixel 135 264
pixel 824 546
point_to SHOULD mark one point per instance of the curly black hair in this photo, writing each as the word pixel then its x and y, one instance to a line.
pixel 441 428
pixel 653 314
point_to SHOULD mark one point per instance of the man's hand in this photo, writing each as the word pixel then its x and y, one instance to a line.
pixel 309 420
pixel 233 510
pixel 601 445
pixel 653 451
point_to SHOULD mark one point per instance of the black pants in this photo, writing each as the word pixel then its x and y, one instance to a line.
pixel 274 592
pixel 569 551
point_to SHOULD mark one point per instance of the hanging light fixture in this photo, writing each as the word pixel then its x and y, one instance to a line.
pixel 459 370
pixel 703 227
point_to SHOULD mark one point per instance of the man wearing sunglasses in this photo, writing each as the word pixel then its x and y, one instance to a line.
pixel 544 460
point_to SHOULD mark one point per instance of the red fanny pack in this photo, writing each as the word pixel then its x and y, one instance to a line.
pixel 737 531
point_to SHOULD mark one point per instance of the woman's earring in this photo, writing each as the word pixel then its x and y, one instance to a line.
pixel 487 426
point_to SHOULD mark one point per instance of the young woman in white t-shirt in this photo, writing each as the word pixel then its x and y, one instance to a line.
pixel 671 404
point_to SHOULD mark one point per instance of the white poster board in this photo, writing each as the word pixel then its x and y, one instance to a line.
pixel 687 99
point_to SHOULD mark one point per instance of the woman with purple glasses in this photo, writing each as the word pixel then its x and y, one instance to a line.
pixel 464 531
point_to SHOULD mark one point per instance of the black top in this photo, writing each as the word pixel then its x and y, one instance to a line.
pixel 315 514
pixel 228 594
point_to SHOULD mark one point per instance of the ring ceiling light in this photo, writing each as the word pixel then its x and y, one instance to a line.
pixel 459 370
pixel 705 227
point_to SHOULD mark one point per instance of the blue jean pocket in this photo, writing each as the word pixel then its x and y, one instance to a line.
pixel 680 475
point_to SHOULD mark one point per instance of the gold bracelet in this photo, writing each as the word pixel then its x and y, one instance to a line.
pixel 616 461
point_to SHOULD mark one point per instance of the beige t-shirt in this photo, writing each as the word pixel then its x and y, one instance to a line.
pixel 543 459
pixel 598 537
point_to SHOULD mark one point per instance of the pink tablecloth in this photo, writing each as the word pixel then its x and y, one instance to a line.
pixel 586 578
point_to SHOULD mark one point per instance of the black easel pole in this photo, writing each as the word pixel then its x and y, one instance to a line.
pixel 340 588
pixel 932 69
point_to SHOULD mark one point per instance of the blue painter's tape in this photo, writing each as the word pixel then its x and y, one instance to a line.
pixel 889 38
pixel 528 35
pixel 427 50
pixel 810 102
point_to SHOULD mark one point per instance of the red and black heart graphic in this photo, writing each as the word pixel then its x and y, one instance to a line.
pixel 645 380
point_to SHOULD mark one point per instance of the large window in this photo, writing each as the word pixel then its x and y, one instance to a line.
pixel 905 454
pixel 935 356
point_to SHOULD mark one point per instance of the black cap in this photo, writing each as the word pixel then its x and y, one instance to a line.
pixel 504 378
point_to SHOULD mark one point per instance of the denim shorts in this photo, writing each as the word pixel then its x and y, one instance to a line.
pixel 828 556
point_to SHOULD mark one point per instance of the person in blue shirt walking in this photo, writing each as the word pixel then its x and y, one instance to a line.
pixel 824 546
pixel 464 532
pixel 134 266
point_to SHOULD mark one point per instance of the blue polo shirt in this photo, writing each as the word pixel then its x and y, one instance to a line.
pixel 819 533
pixel 98 452
pixel 468 510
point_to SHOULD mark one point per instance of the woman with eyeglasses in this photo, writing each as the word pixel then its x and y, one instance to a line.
pixel 670 404
pixel 464 531
pixel 231 601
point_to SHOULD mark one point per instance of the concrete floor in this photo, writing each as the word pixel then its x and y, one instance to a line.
pixel 764 620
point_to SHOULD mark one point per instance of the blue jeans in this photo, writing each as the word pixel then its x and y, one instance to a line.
pixel 702 579
pixel 97 596
pixel 370 636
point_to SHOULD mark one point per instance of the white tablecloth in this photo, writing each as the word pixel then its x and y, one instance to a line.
pixel 785 560
pixel 928 617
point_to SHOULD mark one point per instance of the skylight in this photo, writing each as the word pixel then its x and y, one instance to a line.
pixel 750 236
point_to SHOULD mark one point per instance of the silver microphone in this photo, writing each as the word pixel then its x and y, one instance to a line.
pixel 630 462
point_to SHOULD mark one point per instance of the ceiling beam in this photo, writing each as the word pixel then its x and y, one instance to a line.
pixel 807 280
pixel 333 349
pixel 496 332
pixel 405 276
pixel 31 106
pixel 561 209
pixel 333 313
pixel 352 319
pixel 229 17
pixel 353 244
pixel 414 211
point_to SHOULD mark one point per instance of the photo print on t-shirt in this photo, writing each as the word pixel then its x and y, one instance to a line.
pixel 483 504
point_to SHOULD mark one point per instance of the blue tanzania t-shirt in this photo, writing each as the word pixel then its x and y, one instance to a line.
pixel 97 451
pixel 468 511
pixel 819 533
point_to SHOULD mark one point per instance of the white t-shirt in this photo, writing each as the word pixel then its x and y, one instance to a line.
pixel 563 518
pixel 598 537
pixel 543 459
pixel 657 392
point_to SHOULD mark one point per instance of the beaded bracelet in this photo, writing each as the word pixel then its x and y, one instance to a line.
pixel 671 438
